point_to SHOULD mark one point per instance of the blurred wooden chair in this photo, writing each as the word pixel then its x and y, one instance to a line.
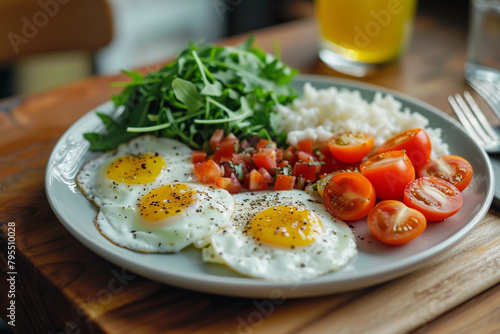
pixel 36 26
pixel 29 27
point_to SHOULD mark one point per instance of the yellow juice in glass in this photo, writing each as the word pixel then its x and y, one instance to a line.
pixel 364 31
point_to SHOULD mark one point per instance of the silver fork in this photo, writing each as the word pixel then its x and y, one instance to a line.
pixel 474 121
pixel 489 91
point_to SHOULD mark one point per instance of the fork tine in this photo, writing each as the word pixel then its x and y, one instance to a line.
pixel 489 91
pixel 464 119
pixel 480 116
pixel 473 120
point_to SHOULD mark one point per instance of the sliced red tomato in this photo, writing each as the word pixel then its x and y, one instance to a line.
pixel 284 182
pixel 305 170
pixel 436 198
pixel 351 147
pixel 208 171
pixel 416 142
pixel 256 181
pixel 393 223
pixel 389 173
pixel 349 196
pixel 199 156
pixel 216 138
pixel 451 168
pixel 306 145
pixel 231 184
pixel 266 158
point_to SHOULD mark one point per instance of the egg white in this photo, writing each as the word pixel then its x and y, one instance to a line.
pixel 123 225
pixel 235 247
pixel 100 189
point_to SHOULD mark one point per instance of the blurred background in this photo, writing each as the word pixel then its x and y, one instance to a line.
pixel 143 32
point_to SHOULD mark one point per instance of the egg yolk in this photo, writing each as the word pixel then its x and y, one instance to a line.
pixel 285 226
pixel 166 201
pixel 136 169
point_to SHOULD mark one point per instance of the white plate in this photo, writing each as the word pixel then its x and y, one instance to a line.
pixel 375 263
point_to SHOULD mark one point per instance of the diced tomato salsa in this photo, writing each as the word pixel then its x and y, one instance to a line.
pixel 258 164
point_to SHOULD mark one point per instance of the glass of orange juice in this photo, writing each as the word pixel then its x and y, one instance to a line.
pixel 359 36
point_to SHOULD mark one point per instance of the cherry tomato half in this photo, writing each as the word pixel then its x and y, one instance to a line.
pixel 436 198
pixel 416 142
pixel 389 172
pixel 451 168
pixel 349 196
pixel 393 223
pixel 351 147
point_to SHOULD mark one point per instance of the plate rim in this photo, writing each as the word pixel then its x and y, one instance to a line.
pixel 255 288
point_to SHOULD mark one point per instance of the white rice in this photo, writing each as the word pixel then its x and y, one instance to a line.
pixel 321 113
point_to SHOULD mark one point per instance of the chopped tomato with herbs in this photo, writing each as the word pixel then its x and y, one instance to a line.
pixel 230 139
pixel 305 170
pixel 304 156
pixel 451 168
pixel 265 174
pixel 266 158
pixel 224 153
pixel 284 182
pixel 305 145
pixel 351 147
pixel 264 143
pixel 394 223
pixel 436 198
pixel 231 184
pixel 208 171
pixel 349 196
pixel 256 181
pixel 389 173
pixel 415 142
pixel 290 155
pixel 243 158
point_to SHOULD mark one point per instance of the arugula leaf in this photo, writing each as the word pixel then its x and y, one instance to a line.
pixel 186 92
pixel 206 88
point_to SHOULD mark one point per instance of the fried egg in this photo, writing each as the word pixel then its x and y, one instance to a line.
pixel 167 218
pixel 282 236
pixel 134 168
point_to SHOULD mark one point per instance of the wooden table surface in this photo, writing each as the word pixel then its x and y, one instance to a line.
pixel 63 287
